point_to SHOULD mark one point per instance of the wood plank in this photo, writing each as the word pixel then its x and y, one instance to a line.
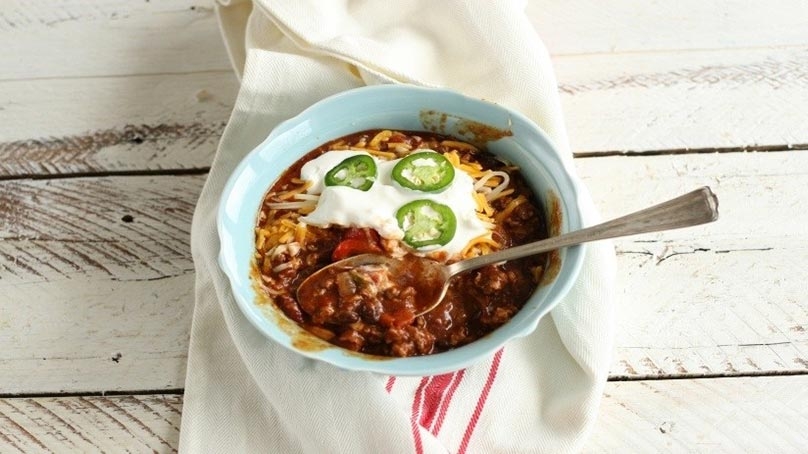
pixel 725 87
pixel 124 228
pixel 91 335
pixel 137 86
pixel 622 26
pixel 760 414
pixel 637 102
pixel 726 298
pixel 113 124
pixel 749 98
pixel 108 38
pixel 679 75
pixel 613 103
pixel 629 103
pixel 119 29
pixel 97 278
pixel 149 423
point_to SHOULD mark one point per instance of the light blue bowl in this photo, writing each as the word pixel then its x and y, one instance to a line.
pixel 399 107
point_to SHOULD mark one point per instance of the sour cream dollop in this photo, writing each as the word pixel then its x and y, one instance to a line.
pixel 376 208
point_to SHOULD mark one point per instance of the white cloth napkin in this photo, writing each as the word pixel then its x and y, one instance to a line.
pixel 245 394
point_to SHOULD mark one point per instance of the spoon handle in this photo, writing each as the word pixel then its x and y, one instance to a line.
pixel 694 208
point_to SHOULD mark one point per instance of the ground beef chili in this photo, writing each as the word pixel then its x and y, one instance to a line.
pixel 375 289
pixel 476 303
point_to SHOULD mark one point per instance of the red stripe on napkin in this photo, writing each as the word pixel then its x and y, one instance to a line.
pixel 431 402
pixel 417 402
pixel 457 377
pixel 434 394
pixel 390 382
pixel 492 375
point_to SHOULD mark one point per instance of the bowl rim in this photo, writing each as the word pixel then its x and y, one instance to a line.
pixel 245 295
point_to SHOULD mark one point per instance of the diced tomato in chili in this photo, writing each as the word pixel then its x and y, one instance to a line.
pixel 355 232
pixel 397 319
pixel 355 242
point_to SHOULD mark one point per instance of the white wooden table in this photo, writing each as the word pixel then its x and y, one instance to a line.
pixel 110 112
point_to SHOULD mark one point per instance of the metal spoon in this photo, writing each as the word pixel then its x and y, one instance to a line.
pixel 431 278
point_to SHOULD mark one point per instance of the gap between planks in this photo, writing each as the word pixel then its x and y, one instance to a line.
pixel 114 393
pixel 109 173
pixel 685 151
pixel 613 378
pixel 725 415
pixel 227 71
pixel 576 155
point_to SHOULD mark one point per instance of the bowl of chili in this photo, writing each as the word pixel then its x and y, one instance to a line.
pixel 397 170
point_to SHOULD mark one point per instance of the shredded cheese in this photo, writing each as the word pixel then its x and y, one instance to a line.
pixel 537 273
pixel 482 204
pixel 459 145
pixel 399 147
pixel 300 233
pixel 288 194
pixel 473 169
pixel 479 245
pixel 381 154
pixel 509 208
pixel 382 136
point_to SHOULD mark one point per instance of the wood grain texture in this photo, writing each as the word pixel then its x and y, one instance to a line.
pixel 726 415
pixel 134 86
pixel 656 75
pixel 125 228
pixel 760 414
pixel 94 335
pixel 634 83
pixel 108 38
pixel 147 423
pixel 712 99
pixel 96 279
pixel 626 26
pixel 725 298
pixel 112 124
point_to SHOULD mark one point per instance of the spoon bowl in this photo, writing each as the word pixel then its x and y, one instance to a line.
pixel 368 277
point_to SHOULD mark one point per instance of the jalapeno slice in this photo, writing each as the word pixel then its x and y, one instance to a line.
pixel 358 172
pixel 424 171
pixel 426 223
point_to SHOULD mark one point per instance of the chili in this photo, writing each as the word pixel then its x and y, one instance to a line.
pixel 357 241
pixel 476 303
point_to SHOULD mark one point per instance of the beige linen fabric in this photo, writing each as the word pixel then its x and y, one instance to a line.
pixel 244 393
